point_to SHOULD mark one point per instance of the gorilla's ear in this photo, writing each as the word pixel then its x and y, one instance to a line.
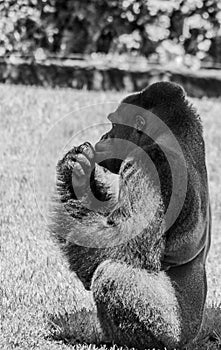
pixel 140 122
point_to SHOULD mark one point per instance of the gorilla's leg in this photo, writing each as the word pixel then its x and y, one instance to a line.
pixel 136 308
pixel 140 309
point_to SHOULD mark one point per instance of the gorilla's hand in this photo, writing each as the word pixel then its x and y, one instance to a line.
pixel 78 164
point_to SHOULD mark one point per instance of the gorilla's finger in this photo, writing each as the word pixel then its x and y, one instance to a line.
pixel 70 155
pixel 88 150
pixel 84 162
pixel 78 170
pixel 78 181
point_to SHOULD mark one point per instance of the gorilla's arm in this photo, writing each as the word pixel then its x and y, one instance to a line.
pixel 132 215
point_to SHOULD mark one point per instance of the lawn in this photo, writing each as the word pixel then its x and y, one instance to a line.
pixel 37 292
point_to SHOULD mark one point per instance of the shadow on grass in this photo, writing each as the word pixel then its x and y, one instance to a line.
pixel 74 328
pixel 83 327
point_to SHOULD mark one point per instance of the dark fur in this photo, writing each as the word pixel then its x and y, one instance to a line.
pixel 149 290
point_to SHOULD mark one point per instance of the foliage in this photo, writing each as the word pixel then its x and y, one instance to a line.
pixel 86 26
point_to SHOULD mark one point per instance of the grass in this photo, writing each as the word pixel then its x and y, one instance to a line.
pixel 37 292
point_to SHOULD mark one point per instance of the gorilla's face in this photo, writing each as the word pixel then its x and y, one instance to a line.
pixel 112 149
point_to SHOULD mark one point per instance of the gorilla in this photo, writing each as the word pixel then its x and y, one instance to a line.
pixel 142 257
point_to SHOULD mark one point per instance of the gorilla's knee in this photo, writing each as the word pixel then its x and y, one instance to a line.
pixel 136 307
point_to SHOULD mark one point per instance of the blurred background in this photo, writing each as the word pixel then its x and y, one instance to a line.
pixel 188 31
pixel 131 35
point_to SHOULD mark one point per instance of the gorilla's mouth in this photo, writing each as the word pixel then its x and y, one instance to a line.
pixel 101 155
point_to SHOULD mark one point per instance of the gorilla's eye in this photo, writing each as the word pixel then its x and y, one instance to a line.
pixel 114 125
